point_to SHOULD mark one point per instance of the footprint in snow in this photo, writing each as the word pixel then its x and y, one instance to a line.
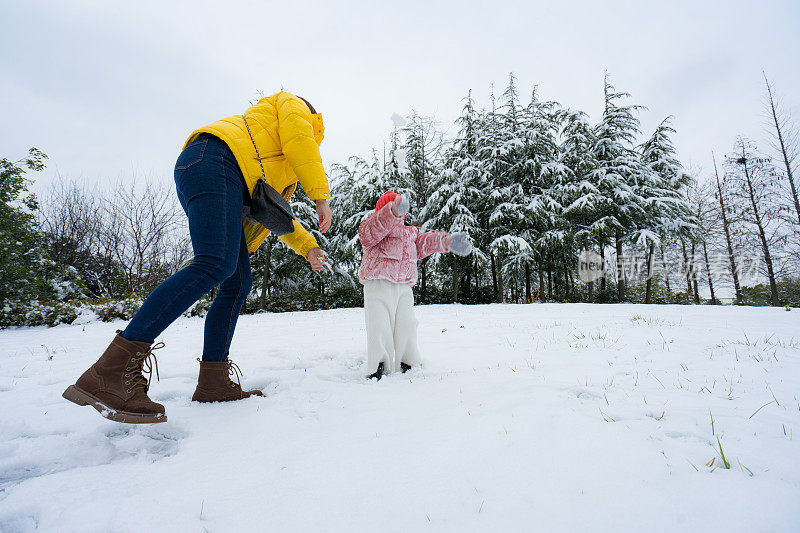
pixel 585 394
pixel 154 442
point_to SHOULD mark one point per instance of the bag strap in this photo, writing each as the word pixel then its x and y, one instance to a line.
pixel 258 156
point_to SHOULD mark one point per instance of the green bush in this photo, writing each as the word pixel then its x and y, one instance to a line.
pixel 201 306
pixel 760 295
pixel 789 291
pixel 37 313
pixel 308 300
pixel 108 310
pixel 27 273
pixel 637 292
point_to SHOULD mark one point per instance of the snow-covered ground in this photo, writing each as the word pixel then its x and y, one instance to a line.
pixel 523 418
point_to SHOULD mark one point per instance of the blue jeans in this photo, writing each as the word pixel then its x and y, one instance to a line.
pixel 210 187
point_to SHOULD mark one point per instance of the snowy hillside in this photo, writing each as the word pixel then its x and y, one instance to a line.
pixel 523 418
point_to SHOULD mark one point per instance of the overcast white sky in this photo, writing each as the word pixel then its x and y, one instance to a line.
pixel 108 89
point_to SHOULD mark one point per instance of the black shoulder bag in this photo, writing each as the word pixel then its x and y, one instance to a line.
pixel 267 206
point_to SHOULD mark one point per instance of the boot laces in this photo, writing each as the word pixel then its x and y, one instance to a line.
pixel 235 371
pixel 143 363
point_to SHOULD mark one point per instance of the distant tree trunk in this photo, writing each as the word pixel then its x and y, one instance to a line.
pixel 455 278
pixel 541 280
pixel 501 297
pixel 514 288
pixel 664 264
pixel 265 287
pixel 773 287
pixel 494 277
pixel 549 283
pixel 726 227
pixel 620 268
pixel 527 282
pixel 566 274
pixel 468 281
pixel 688 270
pixel 648 283
pixel 708 272
pixel 476 275
pixel 571 280
pixel 694 276
pixel 556 284
pixel 603 260
pixel 556 279
pixel 783 148
pixel 589 285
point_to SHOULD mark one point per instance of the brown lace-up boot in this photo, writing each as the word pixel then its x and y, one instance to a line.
pixel 115 385
pixel 214 384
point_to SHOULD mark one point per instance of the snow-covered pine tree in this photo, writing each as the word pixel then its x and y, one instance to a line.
pixel 276 267
pixel 356 189
pixel 28 273
pixel 456 191
pixel 618 176
pixel 537 171
pixel 396 162
pixel 667 213
pixel 503 213
pixel 579 196
pixel 423 146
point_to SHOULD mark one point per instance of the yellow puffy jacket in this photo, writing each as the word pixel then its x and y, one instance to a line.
pixel 287 135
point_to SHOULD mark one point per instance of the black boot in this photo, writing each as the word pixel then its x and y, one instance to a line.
pixel 378 373
pixel 404 367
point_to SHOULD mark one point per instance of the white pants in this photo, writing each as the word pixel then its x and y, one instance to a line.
pixel 391 326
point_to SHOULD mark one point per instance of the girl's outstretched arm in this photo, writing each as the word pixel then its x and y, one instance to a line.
pixel 434 242
pixel 377 226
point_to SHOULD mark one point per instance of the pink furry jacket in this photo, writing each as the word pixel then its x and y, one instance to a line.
pixel 391 249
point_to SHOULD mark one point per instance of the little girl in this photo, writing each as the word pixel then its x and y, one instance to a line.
pixel 388 271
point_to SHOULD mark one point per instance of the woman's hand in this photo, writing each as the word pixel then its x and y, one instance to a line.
pixel 317 258
pixel 325 216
